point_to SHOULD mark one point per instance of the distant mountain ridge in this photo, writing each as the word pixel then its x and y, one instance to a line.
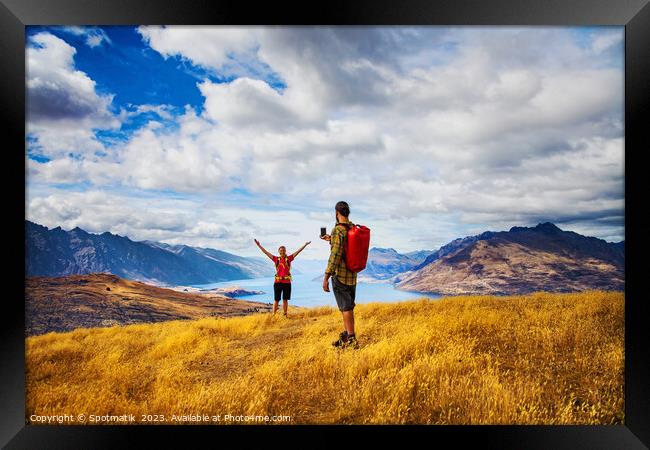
pixel 519 261
pixel 384 263
pixel 452 247
pixel 57 252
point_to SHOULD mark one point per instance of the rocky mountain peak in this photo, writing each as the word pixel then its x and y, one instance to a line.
pixel 523 260
pixel 547 227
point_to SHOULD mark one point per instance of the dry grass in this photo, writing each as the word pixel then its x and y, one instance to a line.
pixel 537 359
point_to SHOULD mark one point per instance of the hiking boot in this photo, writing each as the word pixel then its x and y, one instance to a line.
pixel 352 342
pixel 343 338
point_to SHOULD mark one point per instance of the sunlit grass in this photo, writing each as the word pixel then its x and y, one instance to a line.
pixel 538 359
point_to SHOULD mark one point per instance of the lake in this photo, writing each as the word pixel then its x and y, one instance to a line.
pixel 306 292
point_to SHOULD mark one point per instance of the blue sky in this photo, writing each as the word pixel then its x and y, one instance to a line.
pixel 212 136
pixel 131 70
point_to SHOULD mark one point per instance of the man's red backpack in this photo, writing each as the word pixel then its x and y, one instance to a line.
pixel 357 243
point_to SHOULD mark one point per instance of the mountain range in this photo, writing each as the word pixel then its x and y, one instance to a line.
pixel 56 252
pixel 519 261
pixel 385 263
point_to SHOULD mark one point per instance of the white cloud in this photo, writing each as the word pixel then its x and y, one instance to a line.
pixel 479 127
pixel 71 170
pixel 248 103
pixel 607 40
pixel 205 46
pixel 58 94
pixel 163 111
pixel 63 107
pixel 195 221
pixel 94 36
pixel 160 161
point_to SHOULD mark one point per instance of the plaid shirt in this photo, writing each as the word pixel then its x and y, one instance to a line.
pixel 336 263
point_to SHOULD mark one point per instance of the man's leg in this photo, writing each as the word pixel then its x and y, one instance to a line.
pixel 348 321
pixel 275 306
pixel 348 314
pixel 345 301
pixel 285 303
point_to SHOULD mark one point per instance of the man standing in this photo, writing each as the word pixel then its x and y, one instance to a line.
pixel 344 281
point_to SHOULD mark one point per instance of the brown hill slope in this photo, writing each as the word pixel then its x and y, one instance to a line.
pixel 99 300
pixel 501 266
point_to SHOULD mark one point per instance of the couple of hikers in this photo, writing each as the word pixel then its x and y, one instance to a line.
pixel 344 281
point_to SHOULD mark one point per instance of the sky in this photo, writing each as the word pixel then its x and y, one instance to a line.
pixel 212 136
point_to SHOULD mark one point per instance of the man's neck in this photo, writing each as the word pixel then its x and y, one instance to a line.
pixel 344 220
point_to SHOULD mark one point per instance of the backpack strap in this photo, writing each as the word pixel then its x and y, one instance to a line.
pixel 286 261
pixel 346 227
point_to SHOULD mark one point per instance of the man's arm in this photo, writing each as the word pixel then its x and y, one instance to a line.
pixel 294 254
pixel 263 249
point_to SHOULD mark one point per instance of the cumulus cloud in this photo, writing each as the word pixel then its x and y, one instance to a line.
pixel 72 170
pixel 58 94
pixel 98 211
pixel 248 103
pixel 206 46
pixel 225 51
pixel 188 220
pixel 63 106
pixel 156 161
pixel 470 128
pixel 475 134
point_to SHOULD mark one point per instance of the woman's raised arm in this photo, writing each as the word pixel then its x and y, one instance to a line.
pixel 263 249
pixel 300 249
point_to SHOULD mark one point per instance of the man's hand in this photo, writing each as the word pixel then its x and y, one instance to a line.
pixel 326 283
pixel 326 237
pixel 256 241
pixel 307 243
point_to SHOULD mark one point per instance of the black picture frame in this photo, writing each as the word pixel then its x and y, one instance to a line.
pixel 633 14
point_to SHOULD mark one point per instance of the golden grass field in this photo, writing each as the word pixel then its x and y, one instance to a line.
pixel 537 359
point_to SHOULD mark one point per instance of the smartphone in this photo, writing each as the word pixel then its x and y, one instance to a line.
pixel 322 231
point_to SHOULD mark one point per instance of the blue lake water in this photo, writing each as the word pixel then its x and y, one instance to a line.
pixel 307 292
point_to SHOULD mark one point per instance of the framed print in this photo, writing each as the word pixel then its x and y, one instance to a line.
pixel 365 217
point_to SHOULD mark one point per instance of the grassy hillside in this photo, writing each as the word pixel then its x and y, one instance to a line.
pixel 100 299
pixel 537 359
